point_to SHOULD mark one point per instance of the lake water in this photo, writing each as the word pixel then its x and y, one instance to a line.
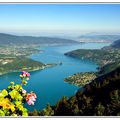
pixel 49 83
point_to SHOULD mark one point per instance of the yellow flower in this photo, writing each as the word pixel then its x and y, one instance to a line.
pixel 1 95
pixel 6 104
pixel 12 107
pixel 20 107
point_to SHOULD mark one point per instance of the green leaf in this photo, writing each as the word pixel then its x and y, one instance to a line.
pixel 6 112
pixel 25 112
pixel 1 95
pixel 4 92
pixel 18 96
pixel 18 87
pixel 12 108
pixel 9 87
pixel 13 93
pixel 24 82
pixel 2 113
pixel 20 107
pixel 18 103
pixel 12 83
pixel 14 114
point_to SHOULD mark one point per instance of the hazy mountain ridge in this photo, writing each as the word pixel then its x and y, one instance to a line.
pixel 14 39
pixel 98 38
pixel 116 44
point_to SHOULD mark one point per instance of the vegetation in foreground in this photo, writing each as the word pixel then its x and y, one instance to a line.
pixel 13 98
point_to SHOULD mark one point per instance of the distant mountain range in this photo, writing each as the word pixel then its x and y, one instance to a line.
pixel 98 38
pixel 7 39
pixel 116 44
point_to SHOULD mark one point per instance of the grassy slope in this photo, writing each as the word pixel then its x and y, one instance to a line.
pixel 20 63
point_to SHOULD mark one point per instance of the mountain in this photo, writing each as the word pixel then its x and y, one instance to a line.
pixel 7 39
pixel 116 44
pixel 101 97
pixel 98 38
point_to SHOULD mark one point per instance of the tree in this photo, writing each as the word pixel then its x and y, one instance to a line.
pixel 99 109
pixel 48 111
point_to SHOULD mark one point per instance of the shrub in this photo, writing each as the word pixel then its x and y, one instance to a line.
pixel 13 98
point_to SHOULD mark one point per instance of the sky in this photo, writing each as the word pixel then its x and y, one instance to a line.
pixel 73 19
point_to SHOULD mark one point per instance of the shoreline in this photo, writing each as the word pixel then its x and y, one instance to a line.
pixel 81 78
pixel 37 69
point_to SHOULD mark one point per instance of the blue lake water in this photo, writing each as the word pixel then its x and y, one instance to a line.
pixel 49 83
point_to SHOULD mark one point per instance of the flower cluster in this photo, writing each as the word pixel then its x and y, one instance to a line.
pixel 24 91
pixel 31 98
pixel 13 98
pixel 24 76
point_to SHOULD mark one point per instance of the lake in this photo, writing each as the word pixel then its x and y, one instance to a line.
pixel 49 83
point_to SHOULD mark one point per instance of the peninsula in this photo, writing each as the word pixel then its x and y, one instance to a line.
pixel 107 58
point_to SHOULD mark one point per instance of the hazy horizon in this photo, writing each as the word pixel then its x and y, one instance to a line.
pixel 59 19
